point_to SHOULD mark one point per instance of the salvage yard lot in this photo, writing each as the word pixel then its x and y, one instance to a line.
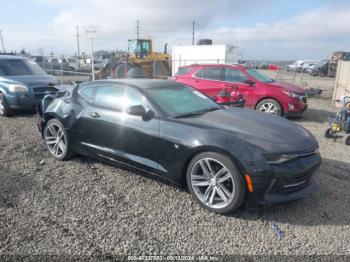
pixel 83 207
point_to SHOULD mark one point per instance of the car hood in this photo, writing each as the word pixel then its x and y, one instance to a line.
pixel 287 87
pixel 31 80
pixel 268 132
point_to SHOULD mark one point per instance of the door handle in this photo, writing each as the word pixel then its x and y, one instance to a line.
pixel 95 115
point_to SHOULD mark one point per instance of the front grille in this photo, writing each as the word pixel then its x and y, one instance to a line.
pixel 292 183
pixel 40 92
pixel 44 89
pixel 286 185
pixel 39 96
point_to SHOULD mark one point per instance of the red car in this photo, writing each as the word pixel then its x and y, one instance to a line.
pixel 226 84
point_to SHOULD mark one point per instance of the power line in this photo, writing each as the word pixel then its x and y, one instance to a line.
pixel 2 42
pixel 137 29
pixel 193 33
pixel 91 31
pixel 78 40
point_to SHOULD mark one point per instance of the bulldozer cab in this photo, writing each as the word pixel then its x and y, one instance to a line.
pixel 140 48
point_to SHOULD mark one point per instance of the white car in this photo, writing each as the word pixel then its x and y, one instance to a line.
pixel 302 68
pixel 310 67
pixel 292 67
pixel 300 65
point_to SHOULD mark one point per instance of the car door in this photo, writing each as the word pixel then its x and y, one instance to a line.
pixel 96 127
pixel 116 135
pixel 140 135
pixel 236 79
pixel 208 80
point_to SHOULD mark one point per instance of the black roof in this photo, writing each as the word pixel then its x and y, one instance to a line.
pixel 11 57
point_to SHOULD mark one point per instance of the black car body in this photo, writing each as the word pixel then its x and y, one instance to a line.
pixel 278 155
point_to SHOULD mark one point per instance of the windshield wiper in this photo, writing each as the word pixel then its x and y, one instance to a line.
pixel 213 109
pixel 189 114
pixel 197 112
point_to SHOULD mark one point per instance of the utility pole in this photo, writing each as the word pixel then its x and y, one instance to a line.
pixel 91 31
pixel 193 33
pixel 78 40
pixel 137 29
pixel 2 42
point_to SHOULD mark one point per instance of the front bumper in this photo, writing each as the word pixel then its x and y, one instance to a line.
pixel 296 114
pixel 285 182
pixel 21 101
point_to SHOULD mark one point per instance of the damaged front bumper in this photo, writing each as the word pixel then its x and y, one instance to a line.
pixel 287 181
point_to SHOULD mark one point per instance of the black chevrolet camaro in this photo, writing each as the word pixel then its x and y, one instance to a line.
pixel 225 156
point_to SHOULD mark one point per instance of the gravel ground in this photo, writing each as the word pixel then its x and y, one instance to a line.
pixel 83 207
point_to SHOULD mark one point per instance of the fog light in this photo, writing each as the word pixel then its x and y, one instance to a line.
pixel 291 107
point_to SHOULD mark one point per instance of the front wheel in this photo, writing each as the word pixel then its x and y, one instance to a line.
pixel 57 141
pixel 270 106
pixel 215 182
pixel 5 110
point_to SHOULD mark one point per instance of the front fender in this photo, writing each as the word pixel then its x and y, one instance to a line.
pixel 4 90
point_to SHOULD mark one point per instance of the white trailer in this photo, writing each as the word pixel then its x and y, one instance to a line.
pixel 203 54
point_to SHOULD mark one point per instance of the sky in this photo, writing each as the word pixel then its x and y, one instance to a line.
pixel 281 30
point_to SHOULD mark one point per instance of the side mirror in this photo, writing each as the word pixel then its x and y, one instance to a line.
pixel 136 111
pixel 249 82
pixel 140 111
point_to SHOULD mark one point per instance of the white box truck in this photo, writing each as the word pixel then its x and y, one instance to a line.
pixel 203 54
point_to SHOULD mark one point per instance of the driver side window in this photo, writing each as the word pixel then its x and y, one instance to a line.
pixel 134 98
pixel 110 96
pixel 232 75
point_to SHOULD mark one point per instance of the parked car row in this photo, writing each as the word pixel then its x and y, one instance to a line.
pixel 318 68
pixel 301 66
pixel 67 63
pixel 226 156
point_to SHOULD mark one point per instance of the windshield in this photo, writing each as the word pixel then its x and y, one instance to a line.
pixel 176 101
pixel 258 76
pixel 15 67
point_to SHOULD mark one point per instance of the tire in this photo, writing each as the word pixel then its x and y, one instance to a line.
pixel 57 140
pixel 270 106
pixel 223 197
pixel 347 140
pixel 328 133
pixel 5 110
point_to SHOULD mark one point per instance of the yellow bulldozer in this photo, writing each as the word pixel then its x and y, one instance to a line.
pixel 139 62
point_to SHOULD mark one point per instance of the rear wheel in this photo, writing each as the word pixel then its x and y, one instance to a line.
pixel 270 106
pixel 5 110
pixel 57 141
pixel 328 133
pixel 347 140
pixel 215 182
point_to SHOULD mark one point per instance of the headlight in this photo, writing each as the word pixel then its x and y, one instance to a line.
pixel 277 159
pixel 294 95
pixel 281 158
pixel 14 88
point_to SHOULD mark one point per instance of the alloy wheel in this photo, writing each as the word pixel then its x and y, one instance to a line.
pixel 2 108
pixel 55 140
pixel 268 107
pixel 212 183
